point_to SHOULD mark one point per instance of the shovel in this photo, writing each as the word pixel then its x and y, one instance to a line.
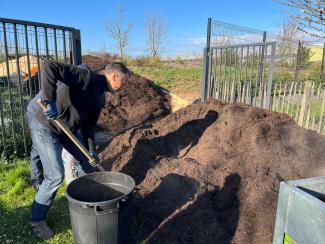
pixel 92 161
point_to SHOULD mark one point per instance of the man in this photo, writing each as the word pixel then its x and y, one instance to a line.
pixel 77 103
pixel 71 168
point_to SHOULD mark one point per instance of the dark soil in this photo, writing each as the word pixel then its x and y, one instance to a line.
pixel 210 172
pixel 139 101
pixel 94 63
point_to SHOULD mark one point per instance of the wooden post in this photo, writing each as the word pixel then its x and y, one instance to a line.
pixel 289 99
pixel 305 102
pixel 274 96
pixel 321 114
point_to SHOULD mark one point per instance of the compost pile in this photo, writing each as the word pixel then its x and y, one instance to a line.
pixel 210 172
pixel 94 63
pixel 139 101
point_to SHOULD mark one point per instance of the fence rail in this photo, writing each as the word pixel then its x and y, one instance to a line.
pixel 23 46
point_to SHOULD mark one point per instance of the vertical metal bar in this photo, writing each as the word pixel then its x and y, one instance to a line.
pixel 270 78
pixel 37 56
pixel 55 46
pixel 251 73
pixel 263 79
pixel 233 95
pixel 215 74
pixel 9 87
pixel 297 61
pixel 261 71
pixel 247 56
pixel 224 77
pixel 2 128
pixel 210 77
pixel 240 73
pixel 46 44
pixel 28 61
pixel 229 76
pixel 3 136
pixel 208 44
pixel 204 76
pixel 20 90
pixel 257 81
pixel 219 80
pixel 64 47
pixel 76 47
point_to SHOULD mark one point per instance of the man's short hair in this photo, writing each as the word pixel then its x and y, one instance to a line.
pixel 117 66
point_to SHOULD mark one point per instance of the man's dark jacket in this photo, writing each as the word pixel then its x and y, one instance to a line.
pixel 79 98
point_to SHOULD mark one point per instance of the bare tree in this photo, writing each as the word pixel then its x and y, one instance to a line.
pixel 309 15
pixel 287 40
pixel 118 32
pixel 156 32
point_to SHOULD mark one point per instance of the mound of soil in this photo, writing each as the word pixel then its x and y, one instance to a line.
pixel 94 63
pixel 210 172
pixel 139 101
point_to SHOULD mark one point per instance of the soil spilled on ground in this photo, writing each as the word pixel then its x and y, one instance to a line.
pixel 210 173
pixel 139 101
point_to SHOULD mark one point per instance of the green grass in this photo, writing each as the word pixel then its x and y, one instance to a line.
pixel 16 197
pixel 185 79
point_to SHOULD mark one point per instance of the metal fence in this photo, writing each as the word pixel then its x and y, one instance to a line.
pixel 23 46
pixel 269 74
pixel 240 73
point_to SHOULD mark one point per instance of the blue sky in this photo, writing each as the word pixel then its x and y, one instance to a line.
pixel 185 20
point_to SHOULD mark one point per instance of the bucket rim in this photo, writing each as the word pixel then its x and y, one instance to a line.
pixel 91 204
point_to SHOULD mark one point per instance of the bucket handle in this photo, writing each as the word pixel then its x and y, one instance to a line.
pixel 99 211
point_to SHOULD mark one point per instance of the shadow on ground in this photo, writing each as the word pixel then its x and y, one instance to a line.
pixel 147 152
pixel 212 218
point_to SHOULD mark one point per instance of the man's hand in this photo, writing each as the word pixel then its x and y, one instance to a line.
pixel 95 156
pixel 51 111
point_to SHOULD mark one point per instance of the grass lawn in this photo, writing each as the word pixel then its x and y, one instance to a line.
pixel 183 81
pixel 16 197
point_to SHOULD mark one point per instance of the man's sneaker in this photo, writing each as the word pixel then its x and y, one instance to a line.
pixel 41 230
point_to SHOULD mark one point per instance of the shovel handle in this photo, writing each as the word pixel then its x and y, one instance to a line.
pixel 61 126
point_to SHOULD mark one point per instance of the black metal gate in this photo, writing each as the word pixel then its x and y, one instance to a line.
pixel 23 46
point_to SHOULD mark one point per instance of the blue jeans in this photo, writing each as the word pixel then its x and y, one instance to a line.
pixel 47 150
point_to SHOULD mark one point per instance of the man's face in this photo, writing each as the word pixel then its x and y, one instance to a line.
pixel 115 79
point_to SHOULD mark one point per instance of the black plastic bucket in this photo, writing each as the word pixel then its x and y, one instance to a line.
pixel 100 207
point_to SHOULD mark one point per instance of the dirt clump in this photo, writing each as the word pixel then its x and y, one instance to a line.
pixel 139 101
pixel 210 173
